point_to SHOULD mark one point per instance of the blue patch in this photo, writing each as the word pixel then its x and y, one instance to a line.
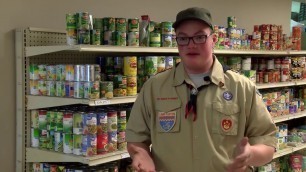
pixel 227 95
pixel 167 120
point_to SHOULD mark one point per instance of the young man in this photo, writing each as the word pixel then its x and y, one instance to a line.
pixel 198 116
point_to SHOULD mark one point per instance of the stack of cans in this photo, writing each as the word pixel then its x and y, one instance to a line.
pixel 71 29
pixel 96 34
pixel 119 36
pixel 167 34
pixel 155 34
pixel 109 28
pixel 133 32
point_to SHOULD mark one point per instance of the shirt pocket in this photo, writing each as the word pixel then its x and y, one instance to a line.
pixel 225 118
pixel 168 117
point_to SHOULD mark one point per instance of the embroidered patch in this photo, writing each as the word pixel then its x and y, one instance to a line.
pixel 167 120
pixel 226 124
pixel 227 95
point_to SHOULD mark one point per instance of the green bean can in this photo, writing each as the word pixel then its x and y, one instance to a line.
pixel 133 25
pixel 82 19
pixel 109 23
pixel 95 90
pixel 51 87
pixel 71 21
pixel 119 38
pixel 33 71
pixel 167 28
pixel 133 39
pixel 107 88
pixel 151 65
pixel 95 37
pixel 83 37
pixel 121 24
pixel 51 120
pixel 155 39
pixel 141 65
pixel 98 23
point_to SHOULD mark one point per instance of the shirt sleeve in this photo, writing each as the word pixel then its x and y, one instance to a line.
pixel 138 125
pixel 260 127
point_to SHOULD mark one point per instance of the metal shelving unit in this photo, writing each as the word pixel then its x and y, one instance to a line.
pixel 288 150
pixel 45 46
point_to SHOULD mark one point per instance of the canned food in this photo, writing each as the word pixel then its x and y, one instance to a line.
pixel 35 137
pixel 34 87
pixel 131 86
pixel 83 36
pixel 79 72
pixel 108 38
pixel 34 72
pixel 296 32
pixel 107 88
pixel 97 73
pixel 109 63
pixel 67 122
pixel 161 64
pixel 58 141
pixel 50 140
pixel 60 89
pixel 151 65
pixel 71 21
pixel 121 120
pixel 112 141
pixel 98 23
pixel 166 40
pixel 118 65
pixel 121 91
pixel 122 144
pixel 112 121
pixel 51 115
pixel 168 62
pixel 95 37
pixel 78 122
pixel 102 123
pixel 42 88
pixel 140 65
pixel 102 143
pixel 51 72
pixel 71 36
pixel 133 39
pixel 42 119
pixel 118 80
pixel 89 145
pixel 42 71
pixel 87 89
pixel 68 143
pixel 119 38
pixel 133 25
pixel 89 72
pixel 50 88
pixel 130 66
pixel 43 140
pixel 77 144
pixel 95 90
pixel 69 89
pixel 167 28
pixel 121 24
pixel 109 23
pixel 155 39
pixel 60 72
pixel 231 22
pixel 78 88
pixel 90 123
pixel 59 121
pixel 82 19
pixel 34 118
pixel 140 81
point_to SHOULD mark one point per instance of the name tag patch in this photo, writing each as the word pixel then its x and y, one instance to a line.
pixel 167 120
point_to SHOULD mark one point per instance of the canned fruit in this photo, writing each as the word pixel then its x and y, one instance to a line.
pixel 130 66
pixel 107 88
pixel 131 86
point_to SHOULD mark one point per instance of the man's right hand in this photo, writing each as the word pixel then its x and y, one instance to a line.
pixel 142 162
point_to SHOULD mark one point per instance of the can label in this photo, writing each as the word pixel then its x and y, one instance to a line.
pixel 112 121
pixel 60 89
pixel 34 71
pixel 102 143
pixel 119 38
pixel 42 71
pixel 35 137
pixel 67 122
pixel 42 119
pixel 133 39
pixel 109 23
pixel 112 141
pixel 78 90
pixel 34 118
pixel 82 20
pixel 59 121
pixel 102 123
pixel 71 37
pixel 119 80
pixel 140 65
pixel 71 21
pixel 151 65
pixel 121 24
pixel 95 90
pixel 107 88
pixel 167 28
pixel 108 38
pixel 133 25
pixel 69 89
pixel 83 37
pixel 43 140
pixel 166 40
pixel 97 73
pixel 168 62
pixel 77 144
pixel 51 115
pixel 87 90
pixel 95 37
pixel 155 38
pixel 90 123
pixel 58 141
pixel 51 72
pixel 118 65
pixel 51 87
pixel 161 64
pixel 89 145
pixel 42 88
pixel 78 123
pixel 121 91
pixel 60 72
pixel 122 144
pixel 131 86
pixel 130 66
pixel 68 143
pixel 121 121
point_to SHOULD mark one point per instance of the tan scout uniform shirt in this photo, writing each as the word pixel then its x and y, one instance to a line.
pixel 226 113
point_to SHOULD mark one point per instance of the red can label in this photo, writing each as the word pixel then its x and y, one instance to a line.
pixel 102 143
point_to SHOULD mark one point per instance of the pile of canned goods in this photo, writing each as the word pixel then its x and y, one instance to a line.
pixel 264 37
pixel 82 28
pixel 80 130
pixel 284 102
pixel 77 167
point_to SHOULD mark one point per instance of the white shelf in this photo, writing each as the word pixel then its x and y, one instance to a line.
pixel 37 102
pixel 289 117
pixel 38 50
pixel 38 155
pixel 289 150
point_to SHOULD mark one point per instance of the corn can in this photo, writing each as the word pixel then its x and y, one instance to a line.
pixel 33 87
pixel 51 72
pixel 34 71
pixel 130 66
pixel 131 85
pixel 133 39
pixel 82 20
pixel 109 23
pixel 42 71
pixel 50 87
pixel 89 145
pixel 60 72
pixel 60 89
pixel 42 88
pixel 77 144
pixel 151 65
pixel 95 37
pixel 107 88
pixel 121 24
pixel 90 123
pixel 133 25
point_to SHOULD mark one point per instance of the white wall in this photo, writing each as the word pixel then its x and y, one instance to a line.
pixel 51 14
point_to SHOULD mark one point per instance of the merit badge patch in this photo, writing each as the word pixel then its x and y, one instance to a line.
pixel 226 124
pixel 167 120
pixel 227 95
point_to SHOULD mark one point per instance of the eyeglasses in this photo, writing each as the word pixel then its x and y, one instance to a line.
pixel 198 39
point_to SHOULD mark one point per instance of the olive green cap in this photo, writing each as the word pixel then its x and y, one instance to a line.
pixel 194 13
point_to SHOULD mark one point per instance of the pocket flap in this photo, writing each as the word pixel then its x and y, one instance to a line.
pixel 167 105
pixel 226 108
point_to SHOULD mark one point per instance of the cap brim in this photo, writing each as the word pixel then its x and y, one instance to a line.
pixel 177 23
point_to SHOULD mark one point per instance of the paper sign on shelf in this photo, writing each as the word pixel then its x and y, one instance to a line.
pixel 102 102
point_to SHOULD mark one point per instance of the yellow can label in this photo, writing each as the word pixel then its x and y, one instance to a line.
pixel 131 86
pixel 130 66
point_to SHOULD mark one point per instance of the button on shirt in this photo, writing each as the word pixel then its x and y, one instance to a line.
pixel 227 110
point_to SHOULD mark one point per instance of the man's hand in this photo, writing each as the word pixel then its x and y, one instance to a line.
pixel 142 162
pixel 243 154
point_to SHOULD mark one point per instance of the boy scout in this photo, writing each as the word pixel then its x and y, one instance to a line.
pixel 199 116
